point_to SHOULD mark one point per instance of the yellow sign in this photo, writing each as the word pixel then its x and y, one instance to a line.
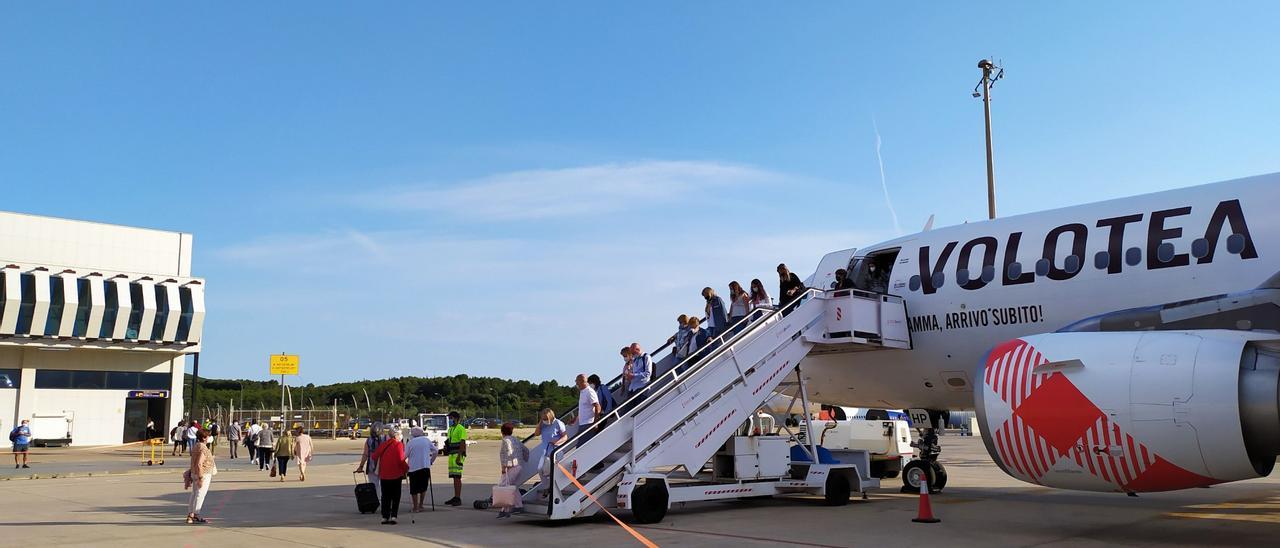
pixel 284 364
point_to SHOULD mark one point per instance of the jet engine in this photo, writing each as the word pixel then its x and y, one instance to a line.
pixel 1133 411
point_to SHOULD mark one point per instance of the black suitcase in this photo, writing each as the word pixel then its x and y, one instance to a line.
pixel 366 497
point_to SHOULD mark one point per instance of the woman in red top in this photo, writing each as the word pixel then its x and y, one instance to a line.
pixel 392 467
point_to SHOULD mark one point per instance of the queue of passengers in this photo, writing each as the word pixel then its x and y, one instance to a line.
pixel 689 343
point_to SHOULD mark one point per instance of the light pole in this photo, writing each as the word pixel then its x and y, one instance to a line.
pixel 988 80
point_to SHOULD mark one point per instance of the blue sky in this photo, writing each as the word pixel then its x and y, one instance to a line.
pixel 518 189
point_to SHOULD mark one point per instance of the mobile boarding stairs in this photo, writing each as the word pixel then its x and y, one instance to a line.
pixel 654 449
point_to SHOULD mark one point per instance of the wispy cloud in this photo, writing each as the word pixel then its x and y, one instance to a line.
pixel 557 297
pixel 575 191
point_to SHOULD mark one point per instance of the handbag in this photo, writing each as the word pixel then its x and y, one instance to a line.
pixel 504 495
pixel 273 469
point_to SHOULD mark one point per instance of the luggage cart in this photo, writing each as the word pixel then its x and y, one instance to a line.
pixel 149 451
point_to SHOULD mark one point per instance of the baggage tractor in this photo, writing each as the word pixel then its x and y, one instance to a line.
pixel 366 497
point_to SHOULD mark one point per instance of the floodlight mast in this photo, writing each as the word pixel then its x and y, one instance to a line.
pixel 988 80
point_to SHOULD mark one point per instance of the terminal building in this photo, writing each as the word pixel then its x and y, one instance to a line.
pixel 96 321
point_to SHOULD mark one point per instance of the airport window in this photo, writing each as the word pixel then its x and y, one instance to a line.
pixel 914 283
pixel 162 313
pixel 988 273
pixel 57 300
pixel 153 381
pixel 1200 248
pixel 1165 252
pixel 1101 260
pixel 1015 270
pixel 93 380
pixel 112 310
pixel 184 321
pixel 10 378
pixel 81 326
pixel 53 378
pixel 1072 264
pixel 89 379
pixel 27 306
pixel 122 380
pixel 135 312
pixel 1235 244
pixel 1133 256
pixel 1042 267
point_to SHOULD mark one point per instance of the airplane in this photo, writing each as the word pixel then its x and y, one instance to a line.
pixel 1130 345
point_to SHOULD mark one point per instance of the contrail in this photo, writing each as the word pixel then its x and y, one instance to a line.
pixel 883 184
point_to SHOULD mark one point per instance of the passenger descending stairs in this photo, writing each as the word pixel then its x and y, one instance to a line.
pixel 691 410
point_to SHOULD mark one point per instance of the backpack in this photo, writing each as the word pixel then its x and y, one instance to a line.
pixel 13 434
pixel 173 434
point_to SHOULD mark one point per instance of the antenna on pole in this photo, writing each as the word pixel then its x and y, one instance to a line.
pixel 990 74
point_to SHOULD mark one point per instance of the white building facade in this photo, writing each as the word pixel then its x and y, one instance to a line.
pixel 95 323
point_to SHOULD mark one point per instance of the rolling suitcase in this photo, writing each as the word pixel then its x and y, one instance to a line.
pixel 366 497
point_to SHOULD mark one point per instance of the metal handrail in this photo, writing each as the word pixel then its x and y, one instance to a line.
pixel 616 382
pixel 676 374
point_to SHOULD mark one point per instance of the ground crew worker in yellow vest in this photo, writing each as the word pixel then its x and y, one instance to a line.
pixel 456 447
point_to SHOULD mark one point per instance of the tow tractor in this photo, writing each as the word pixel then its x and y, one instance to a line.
pixel 887 441
pixel 436 426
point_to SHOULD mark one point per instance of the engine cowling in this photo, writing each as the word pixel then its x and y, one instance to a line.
pixel 1132 411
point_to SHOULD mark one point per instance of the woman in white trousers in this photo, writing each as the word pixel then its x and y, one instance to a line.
pixel 202 472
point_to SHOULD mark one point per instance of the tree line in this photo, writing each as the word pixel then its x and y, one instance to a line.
pixel 400 397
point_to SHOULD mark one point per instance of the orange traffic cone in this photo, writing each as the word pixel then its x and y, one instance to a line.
pixel 925 513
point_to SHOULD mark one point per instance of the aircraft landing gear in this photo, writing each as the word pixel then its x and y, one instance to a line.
pixel 926 467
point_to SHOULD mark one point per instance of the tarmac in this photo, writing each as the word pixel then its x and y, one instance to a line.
pixel 125 503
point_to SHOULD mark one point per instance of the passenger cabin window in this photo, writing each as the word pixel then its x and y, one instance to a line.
pixel 1101 260
pixel 1132 256
pixel 1071 264
pixel 1042 267
pixel 1200 248
pixel 1235 244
